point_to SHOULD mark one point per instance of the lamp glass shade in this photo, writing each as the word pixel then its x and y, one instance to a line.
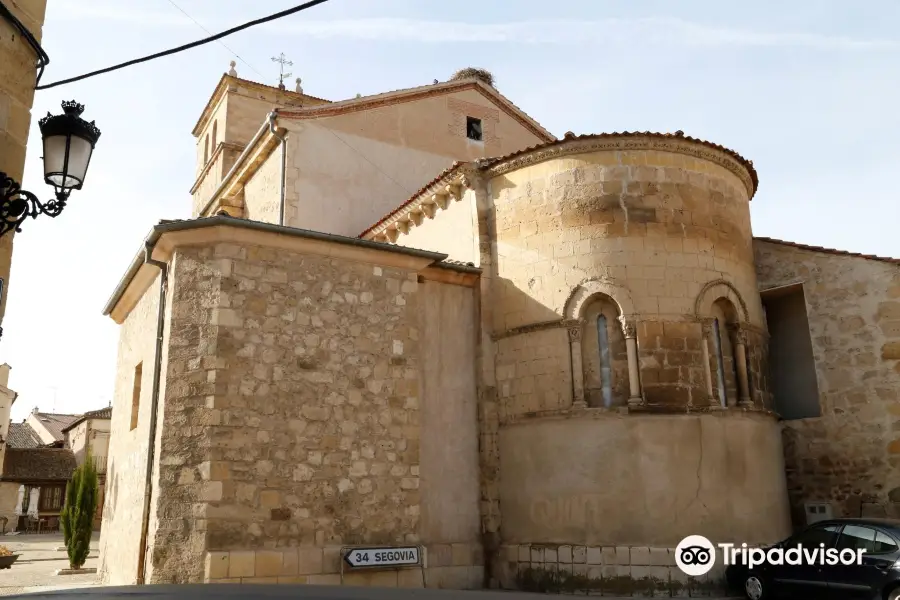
pixel 66 160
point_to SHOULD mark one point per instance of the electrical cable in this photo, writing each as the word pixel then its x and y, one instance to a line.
pixel 198 24
pixel 213 38
pixel 43 57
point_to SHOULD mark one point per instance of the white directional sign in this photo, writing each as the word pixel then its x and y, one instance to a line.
pixel 383 557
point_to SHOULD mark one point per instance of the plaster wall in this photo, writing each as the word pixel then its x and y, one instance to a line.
pixel 78 441
pixel 453 231
pixel 346 172
pixel 9 495
pixel 7 397
pixel 449 440
pixel 34 421
pixel 725 480
pixel 120 535
pixel 262 193
pixel 850 456
pixel 17 77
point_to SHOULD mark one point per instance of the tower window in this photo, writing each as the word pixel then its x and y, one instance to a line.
pixel 473 129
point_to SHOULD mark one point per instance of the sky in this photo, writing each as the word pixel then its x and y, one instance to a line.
pixel 806 89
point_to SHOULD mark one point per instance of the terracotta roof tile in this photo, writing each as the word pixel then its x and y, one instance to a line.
pixel 21 435
pixel 444 87
pixel 489 162
pixel 486 163
pixel 38 464
pixel 103 413
pixel 823 250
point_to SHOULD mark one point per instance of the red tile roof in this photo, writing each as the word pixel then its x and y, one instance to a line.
pixel 38 464
pixel 21 435
pixel 490 162
pixel 823 250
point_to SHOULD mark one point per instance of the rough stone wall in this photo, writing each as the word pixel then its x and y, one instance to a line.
pixel 262 193
pixel 17 78
pixel 127 463
pixel 291 409
pixel 9 495
pixel 850 456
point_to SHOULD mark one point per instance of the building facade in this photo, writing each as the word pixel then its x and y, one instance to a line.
pixel 545 368
pixel 18 74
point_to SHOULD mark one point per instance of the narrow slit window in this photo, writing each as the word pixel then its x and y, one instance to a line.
pixel 605 364
pixel 473 129
pixel 136 395
pixel 720 361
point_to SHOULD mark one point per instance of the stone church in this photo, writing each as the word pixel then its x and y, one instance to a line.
pixel 419 318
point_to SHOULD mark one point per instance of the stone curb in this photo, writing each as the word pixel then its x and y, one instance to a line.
pixel 34 560
pixel 75 571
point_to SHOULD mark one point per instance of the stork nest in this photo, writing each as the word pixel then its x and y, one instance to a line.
pixel 472 73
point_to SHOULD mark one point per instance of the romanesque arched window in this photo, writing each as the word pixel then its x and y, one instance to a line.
pixel 214 135
pixel 604 356
pixel 724 321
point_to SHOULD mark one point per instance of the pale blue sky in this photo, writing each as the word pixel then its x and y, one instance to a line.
pixel 808 90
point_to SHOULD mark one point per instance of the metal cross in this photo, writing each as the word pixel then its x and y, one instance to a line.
pixel 282 61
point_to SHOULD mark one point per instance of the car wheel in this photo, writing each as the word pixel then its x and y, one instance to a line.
pixel 894 594
pixel 755 588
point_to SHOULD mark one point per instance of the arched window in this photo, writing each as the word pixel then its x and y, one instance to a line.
pixel 206 149
pixel 605 360
pixel 725 316
pixel 214 134
pixel 604 357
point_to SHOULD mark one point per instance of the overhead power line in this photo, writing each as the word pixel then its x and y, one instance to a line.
pixel 198 24
pixel 213 38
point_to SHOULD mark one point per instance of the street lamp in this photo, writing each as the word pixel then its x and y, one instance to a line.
pixel 68 144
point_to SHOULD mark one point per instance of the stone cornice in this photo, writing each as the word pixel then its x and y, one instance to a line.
pixel 436 196
pixel 625 142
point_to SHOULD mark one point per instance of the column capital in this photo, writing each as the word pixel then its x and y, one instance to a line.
pixel 739 333
pixel 629 328
pixel 707 326
pixel 575 333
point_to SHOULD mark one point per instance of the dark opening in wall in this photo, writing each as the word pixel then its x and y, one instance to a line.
pixel 473 129
pixel 791 362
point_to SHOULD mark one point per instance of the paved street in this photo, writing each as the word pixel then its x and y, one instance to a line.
pixel 39 559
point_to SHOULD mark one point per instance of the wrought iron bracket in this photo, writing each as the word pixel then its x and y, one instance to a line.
pixel 17 204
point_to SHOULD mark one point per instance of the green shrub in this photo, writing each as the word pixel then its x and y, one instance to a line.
pixel 77 516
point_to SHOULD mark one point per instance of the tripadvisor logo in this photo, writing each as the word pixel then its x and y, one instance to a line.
pixel 695 555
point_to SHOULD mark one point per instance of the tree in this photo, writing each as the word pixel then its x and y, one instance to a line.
pixel 77 516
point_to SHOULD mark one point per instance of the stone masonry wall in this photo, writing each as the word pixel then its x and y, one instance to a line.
pixel 17 78
pixel 262 193
pixel 623 571
pixel 850 456
pixel 291 410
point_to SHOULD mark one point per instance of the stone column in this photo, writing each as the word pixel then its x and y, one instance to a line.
pixel 707 325
pixel 629 329
pixel 740 356
pixel 577 367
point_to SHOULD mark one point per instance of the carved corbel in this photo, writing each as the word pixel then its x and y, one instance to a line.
pixel 392 234
pixel 429 209
pixel 455 191
pixel 416 217
pixel 381 237
pixel 442 200
pixel 403 226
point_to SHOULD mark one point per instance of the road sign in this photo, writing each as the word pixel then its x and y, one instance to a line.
pixel 404 556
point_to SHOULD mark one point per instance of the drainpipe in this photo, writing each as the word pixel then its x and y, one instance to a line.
pixel 154 406
pixel 272 117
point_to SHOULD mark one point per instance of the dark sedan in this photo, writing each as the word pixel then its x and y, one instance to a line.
pixel 836 559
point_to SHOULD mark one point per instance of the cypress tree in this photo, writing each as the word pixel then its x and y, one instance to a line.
pixel 77 516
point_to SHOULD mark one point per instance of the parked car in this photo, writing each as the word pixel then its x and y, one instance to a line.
pixel 876 576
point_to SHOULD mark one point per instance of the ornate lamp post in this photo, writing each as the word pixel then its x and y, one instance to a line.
pixel 69 142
